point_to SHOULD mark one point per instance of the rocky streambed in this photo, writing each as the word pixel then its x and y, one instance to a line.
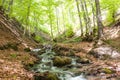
pixel 54 66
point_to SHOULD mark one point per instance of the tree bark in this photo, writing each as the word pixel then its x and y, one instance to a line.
pixel 57 21
pixel 27 20
pixel 80 22
pixel 84 15
pixel 87 17
pixel 93 16
pixel 99 22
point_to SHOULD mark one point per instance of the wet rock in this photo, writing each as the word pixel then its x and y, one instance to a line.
pixel 105 51
pixel 70 53
pixel 41 51
pixel 45 76
pixel 61 61
pixel 83 60
pixel 39 77
pixel 52 76
pixel 27 50
pixel 36 50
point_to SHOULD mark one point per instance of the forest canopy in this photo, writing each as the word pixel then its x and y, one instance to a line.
pixel 57 17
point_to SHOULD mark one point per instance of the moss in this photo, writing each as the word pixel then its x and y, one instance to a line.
pixel 38 39
pixel 46 76
pixel 69 33
pixel 108 71
pixel 52 76
pixel 61 61
pixel 12 46
pixel 83 60
pixel 76 39
pixel 13 55
pixel 27 50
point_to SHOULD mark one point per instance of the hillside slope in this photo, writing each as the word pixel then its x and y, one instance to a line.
pixel 13 58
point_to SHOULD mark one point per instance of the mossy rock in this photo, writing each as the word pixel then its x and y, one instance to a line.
pixel 71 53
pixel 27 50
pixel 83 60
pixel 108 71
pixel 41 51
pixel 12 46
pixel 61 61
pixel 45 76
pixel 9 46
pixel 52 76
pixel 1 48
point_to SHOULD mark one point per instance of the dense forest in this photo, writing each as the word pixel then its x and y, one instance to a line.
pixel 62 18
pixel 60 39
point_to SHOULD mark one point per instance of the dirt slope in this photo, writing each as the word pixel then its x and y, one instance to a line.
pixel 13 58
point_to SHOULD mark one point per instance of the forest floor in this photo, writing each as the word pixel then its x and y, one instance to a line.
pixel 13 58
pixel 97 66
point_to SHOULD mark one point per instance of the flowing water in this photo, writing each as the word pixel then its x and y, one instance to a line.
pixel 46 64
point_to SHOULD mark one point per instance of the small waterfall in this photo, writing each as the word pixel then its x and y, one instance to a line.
pixel 46 64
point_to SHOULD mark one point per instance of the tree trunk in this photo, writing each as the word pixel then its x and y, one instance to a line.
pixel 57 21
pixel 80 22
pixel 50 19
pixel 93 16
pixel 84 15
pixel 2 2
pixel 99 22
pixel 87 17
pixel 9 10
pixel 27 20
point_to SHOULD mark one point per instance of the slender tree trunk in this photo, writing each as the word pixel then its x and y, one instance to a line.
pixel 87 17
pixel 80 22
pixel 2 2
pixel 27 20
pixel 63 18
pixel 93 12
pixel 84 15
pixel 36 23
pixel 99 22
pixel 57 21
pixel 10 6
pixel 93 16
pixel 50 19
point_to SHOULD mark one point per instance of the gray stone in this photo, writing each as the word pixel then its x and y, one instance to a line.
pixel 105 50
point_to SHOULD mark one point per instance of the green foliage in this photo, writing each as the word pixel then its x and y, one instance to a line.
pixel 76 39
pixel 55 16
pixel 69 32
pixel 112 7
pixel 13 55
pixel 38 39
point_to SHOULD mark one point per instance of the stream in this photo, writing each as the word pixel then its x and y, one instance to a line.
pixel 45 64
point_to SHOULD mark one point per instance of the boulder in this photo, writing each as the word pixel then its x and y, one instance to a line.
pixel 61 61
pixel 105 51
pixel 45 76
pixel 83 60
